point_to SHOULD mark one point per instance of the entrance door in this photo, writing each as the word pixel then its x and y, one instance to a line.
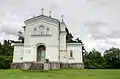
pixel 41 53
pixel 43 56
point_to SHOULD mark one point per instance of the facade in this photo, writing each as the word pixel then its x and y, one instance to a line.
pixel 45 39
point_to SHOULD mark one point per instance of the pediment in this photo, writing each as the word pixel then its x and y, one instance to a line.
pixel 41 18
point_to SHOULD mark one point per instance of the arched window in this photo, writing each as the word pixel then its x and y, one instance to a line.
pixel 41 30
pixel 34 31
pixel 71 53
pixel 47 31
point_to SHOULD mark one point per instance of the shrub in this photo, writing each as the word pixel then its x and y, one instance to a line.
pixel 5 62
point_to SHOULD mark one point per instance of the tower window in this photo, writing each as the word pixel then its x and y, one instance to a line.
pixel 47 31
pixel 71 53
pixel 41 30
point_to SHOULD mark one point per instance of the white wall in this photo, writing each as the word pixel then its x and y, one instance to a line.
pixel 51 42
pixel 29 54
pixel 18 53
pixel 63 56
pixel 63 41
pixel 77 53
pixel 52 53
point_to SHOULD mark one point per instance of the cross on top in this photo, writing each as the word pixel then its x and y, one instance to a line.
pixel 42 11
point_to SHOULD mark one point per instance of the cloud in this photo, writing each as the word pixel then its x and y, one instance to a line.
pixel 103 2
pixel 4 36
pixel 95 23
pixel 10 24
pixel 101 30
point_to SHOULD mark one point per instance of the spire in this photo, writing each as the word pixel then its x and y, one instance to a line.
pixel 62 16
pixel 50 12
pixel 42 11
pixel 62 19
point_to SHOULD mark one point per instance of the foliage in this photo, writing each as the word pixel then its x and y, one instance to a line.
pixel 46 60
pixel 94 60
pixel 69 37
pixel 5 62
pixel 6 48
pixel 6 53
pixel 112 58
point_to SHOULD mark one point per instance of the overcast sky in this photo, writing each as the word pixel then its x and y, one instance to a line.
pixel 95 22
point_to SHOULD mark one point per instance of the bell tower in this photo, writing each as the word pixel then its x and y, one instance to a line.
pixel 63 50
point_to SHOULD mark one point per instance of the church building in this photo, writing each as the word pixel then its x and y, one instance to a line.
pixel 44 40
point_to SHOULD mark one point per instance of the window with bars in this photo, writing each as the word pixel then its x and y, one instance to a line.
pixel 71 53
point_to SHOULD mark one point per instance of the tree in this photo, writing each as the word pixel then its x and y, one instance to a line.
pixel 78 40
pixel 94 60
pixel 6 53
pixel 1 49
pixel 69 36
pixel 85 58
pixel 112 58
pixel 21 36
pixel 7 48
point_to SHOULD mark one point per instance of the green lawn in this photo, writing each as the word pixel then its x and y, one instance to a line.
pixel 60 74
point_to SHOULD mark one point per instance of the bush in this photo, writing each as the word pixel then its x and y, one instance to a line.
pixel 5 62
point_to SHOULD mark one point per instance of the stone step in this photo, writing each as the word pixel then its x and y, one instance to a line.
pixel 36 66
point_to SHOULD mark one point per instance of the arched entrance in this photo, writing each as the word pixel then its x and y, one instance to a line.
pixel 41 53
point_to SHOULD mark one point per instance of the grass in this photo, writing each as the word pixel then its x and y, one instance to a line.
pixel 61 74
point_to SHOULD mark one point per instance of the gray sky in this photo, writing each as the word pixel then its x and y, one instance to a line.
pixel 95 22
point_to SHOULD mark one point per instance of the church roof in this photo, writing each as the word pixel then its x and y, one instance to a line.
pixel 41 17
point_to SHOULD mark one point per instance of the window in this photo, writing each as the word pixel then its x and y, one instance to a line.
pixel 35 31
pixel 47 31
pixel 41 30
pixel 71 53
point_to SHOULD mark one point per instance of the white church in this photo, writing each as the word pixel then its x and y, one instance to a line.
pixel 45 42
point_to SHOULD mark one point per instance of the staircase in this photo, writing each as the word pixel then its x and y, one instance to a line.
pixel 36 66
